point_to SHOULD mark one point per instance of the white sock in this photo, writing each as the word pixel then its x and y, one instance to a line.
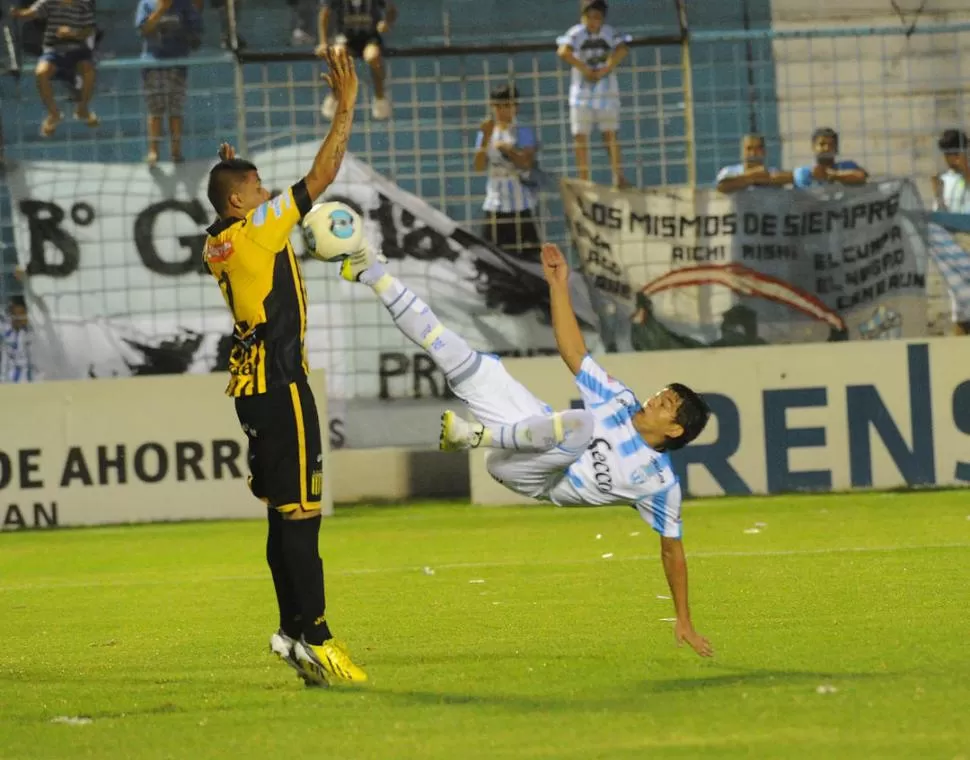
pixel 571 429
pixel 419 324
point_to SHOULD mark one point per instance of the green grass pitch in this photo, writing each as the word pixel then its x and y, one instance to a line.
pixel 504 633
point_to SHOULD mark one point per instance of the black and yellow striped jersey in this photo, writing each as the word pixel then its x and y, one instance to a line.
pixel 261 281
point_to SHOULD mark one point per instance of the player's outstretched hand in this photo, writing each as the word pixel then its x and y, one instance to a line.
pixel 684 632
pixel 554 265
pixel 226 152
pixel 342 76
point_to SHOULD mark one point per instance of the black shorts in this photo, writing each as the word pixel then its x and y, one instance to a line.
pixel 513 232
pixel 356 41
pixel 285 452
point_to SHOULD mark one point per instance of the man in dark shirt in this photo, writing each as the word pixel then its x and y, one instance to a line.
pixel 357 26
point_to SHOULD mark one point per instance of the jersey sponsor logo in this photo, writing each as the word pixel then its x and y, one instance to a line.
pixel 602 474
pixel 218 252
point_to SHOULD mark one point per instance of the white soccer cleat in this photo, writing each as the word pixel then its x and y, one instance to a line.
pixel 329 107
pixel 284 647
pixel 357 263
pixel 457 434
pixel 381 109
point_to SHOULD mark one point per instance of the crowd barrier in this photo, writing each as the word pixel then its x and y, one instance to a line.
pixel 145 449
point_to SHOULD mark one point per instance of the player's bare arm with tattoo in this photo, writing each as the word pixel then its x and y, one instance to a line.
pixel 342 79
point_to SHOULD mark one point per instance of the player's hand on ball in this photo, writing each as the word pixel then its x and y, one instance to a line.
pixel 226 152
pixel 342 76
pixel 684 632
pixel 554 265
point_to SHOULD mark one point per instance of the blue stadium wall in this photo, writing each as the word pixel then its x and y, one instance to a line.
pixel 733 84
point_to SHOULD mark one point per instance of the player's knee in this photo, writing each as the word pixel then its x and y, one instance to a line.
pixel 372 54
pixel 45 70
pixel 578 426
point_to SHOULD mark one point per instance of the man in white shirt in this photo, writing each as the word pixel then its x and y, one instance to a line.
pixel 950 188
pixel 615 451
pixel 594 49
pixel 751 172
pixel 507 150
pixel 16 344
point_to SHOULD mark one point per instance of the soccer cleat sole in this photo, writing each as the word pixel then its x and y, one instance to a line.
pixel 287 656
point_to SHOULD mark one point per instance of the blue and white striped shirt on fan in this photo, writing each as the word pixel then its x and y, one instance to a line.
pixel 594 50
pixel 505 191
pixel 75 14
pixel 16 365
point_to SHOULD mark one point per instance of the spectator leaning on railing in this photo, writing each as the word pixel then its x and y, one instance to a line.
pixel 66 52
pixel 594 49
pixel 951 193
pixel 751 172
pixel 825 144
pixel 507 151
pixel 171 29
pixel 357 25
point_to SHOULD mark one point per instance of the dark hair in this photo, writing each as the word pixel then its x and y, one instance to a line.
pixel 17 301
pixel 505 93
pixel 692 416
pixel 754 136
pixel 594 5
pixel 825 132
pixel 223 179
pixel 953 141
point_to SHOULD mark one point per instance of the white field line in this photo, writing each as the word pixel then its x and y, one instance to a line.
pixel 187 580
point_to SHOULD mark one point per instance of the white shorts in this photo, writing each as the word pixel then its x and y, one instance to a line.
pixel 494 397
pixel 583 118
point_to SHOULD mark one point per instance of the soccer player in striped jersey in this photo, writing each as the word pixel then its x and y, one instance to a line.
pixel 615 451
pixel 248 251
pixel 16 345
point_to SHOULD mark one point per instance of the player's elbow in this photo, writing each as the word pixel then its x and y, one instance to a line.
pixel 564 52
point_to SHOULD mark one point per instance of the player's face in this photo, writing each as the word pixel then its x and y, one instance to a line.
pixel 826 148
pixel 249 194
pixel 753 151
pixel 18 317
pixel 661 413
pixel 593 20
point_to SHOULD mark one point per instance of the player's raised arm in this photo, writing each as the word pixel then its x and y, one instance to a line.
pixel 565 326
pixel 675 568
pixel 342 79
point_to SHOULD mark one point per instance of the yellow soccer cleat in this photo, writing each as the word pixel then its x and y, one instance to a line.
pixel 457 434
pixel 352 267
pixel 329 662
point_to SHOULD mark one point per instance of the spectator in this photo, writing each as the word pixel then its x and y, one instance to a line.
pixel 301 19
pixel 16 344
pixel 171 29
pixel 67 53
pixel 358 25
pixel 825 143
pixel 950 187
pixel 751 172
pixel 508 152
pixel 594 49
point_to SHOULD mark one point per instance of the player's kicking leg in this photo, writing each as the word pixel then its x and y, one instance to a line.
pixel 538 443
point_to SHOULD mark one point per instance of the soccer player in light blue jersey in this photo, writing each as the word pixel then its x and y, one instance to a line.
pixel 615 451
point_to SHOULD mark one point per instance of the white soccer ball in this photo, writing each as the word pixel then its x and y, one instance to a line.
pixel 333 231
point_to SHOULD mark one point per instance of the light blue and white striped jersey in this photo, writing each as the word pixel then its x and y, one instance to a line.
pixel 594 50
pixel 619 467
pixel 505 191
pixel 15 354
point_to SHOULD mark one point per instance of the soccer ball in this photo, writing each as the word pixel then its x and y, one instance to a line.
pixel 333 231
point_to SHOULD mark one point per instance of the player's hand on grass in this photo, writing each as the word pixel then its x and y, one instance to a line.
pixel 226 152
pixel 554 265
pixel 342 77
pixel 684 632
